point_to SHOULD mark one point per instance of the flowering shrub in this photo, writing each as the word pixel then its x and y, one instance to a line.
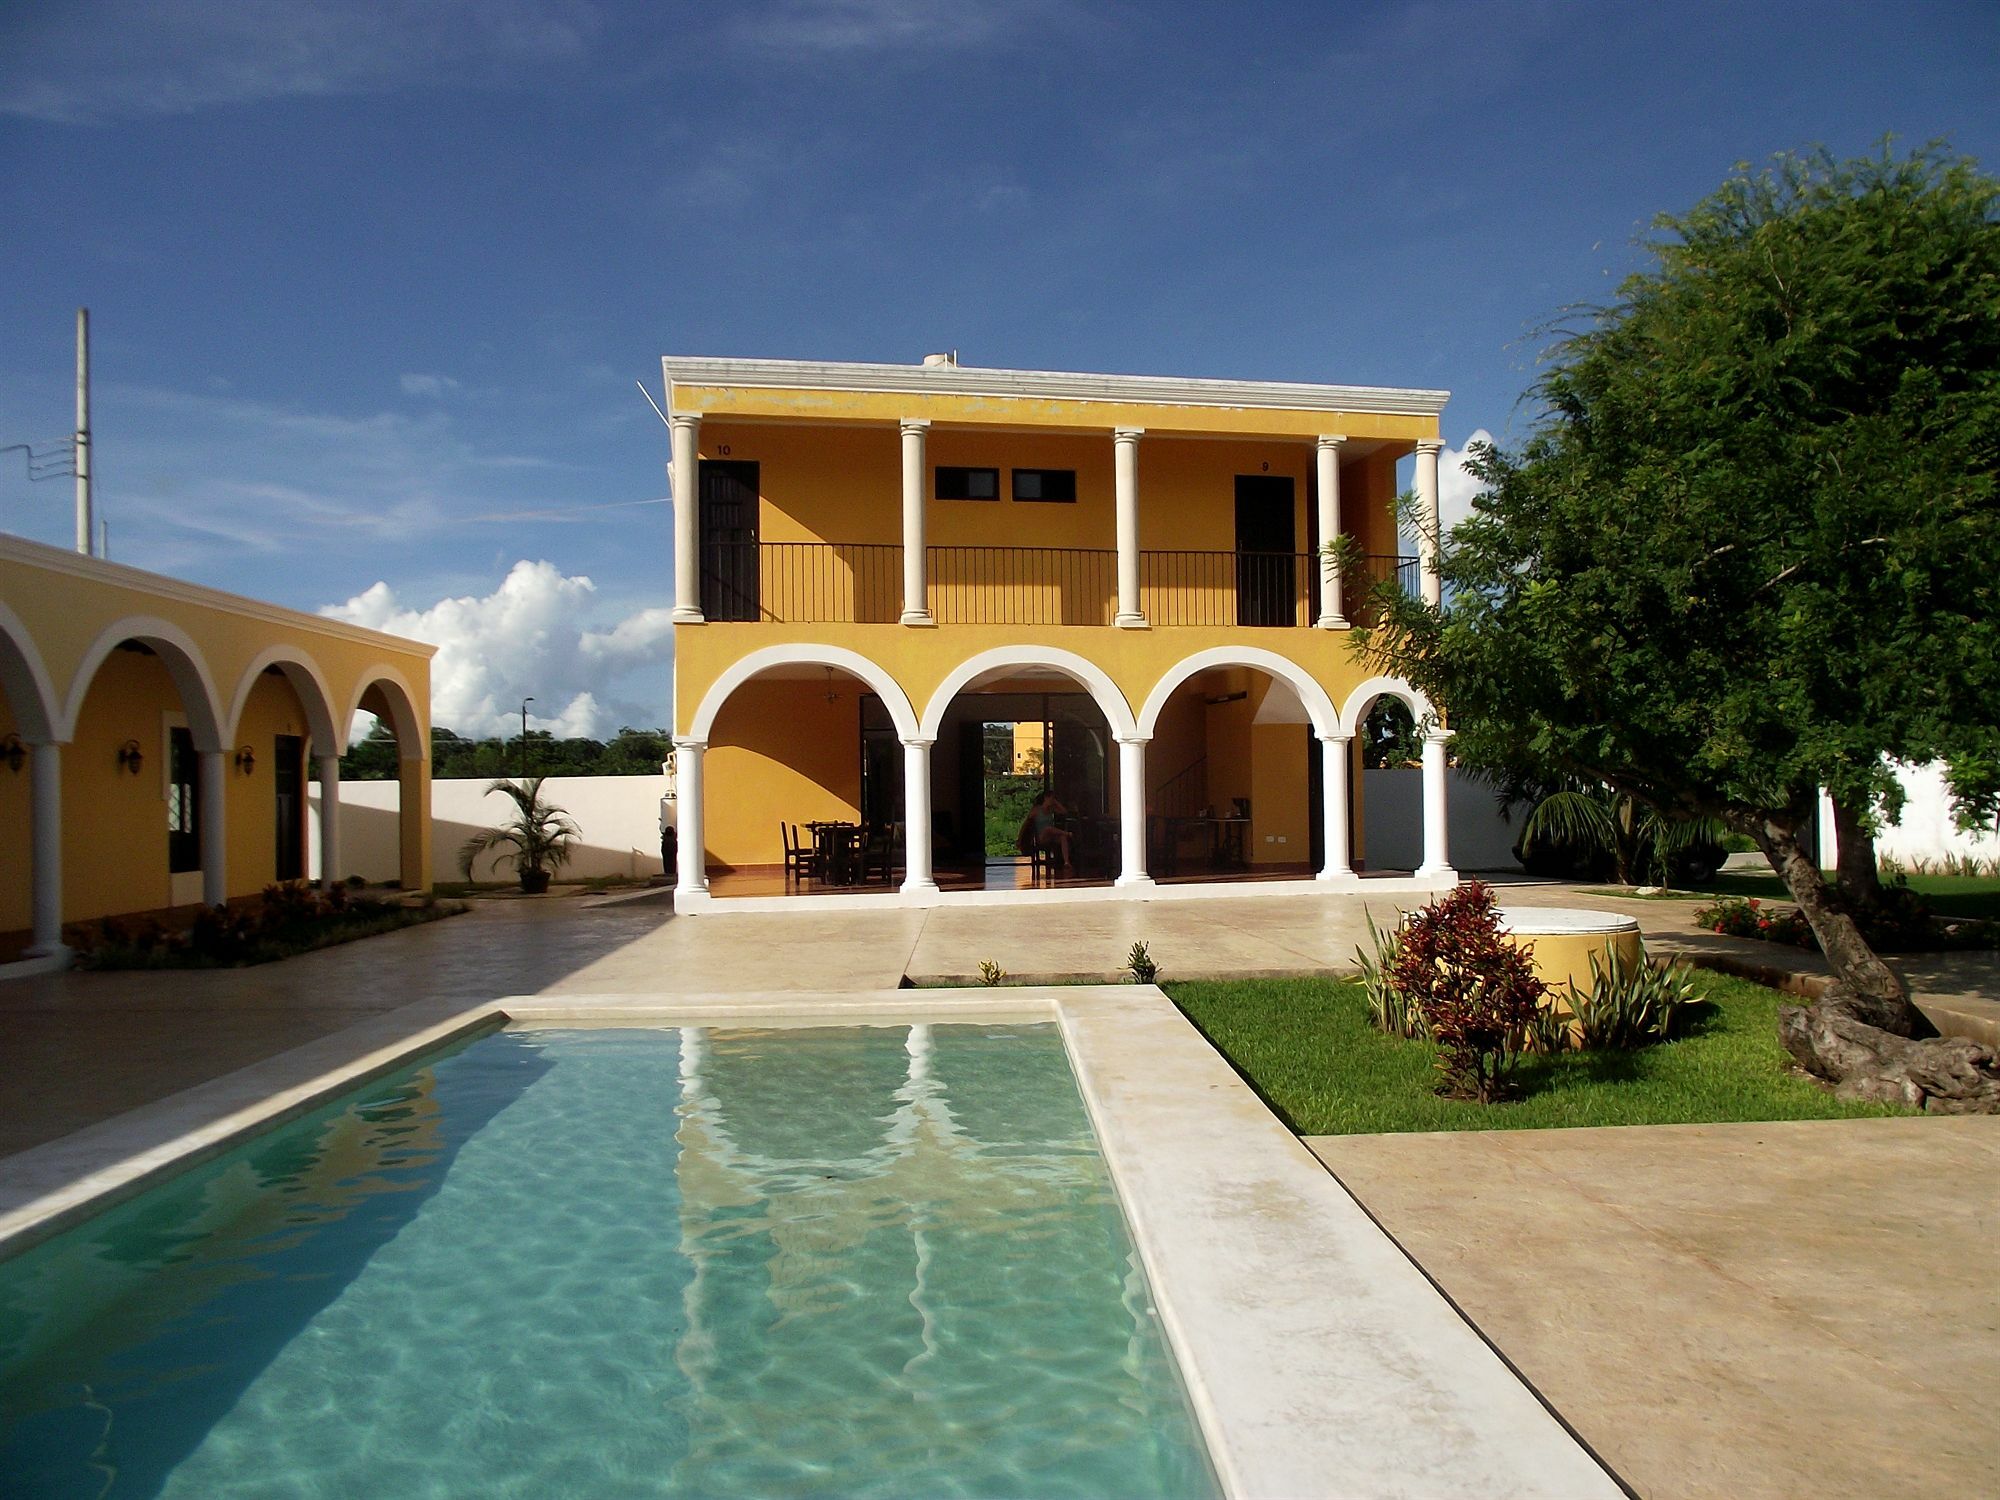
pixel 1732 916
pixel 1476 992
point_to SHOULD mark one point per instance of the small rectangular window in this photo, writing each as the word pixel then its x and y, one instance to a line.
pixel 1045 484
pixel 967 484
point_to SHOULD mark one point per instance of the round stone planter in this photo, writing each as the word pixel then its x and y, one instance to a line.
pixel 1565 939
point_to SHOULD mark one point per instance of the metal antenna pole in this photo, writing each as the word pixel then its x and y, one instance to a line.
pixel 85 526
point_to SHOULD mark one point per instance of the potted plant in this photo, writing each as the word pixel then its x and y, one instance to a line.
pixel 538 838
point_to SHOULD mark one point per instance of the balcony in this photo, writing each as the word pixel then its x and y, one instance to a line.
pixel 862 583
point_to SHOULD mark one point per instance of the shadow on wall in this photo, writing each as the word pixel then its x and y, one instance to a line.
pixel 618 816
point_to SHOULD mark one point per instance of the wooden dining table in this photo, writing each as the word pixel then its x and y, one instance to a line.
pixel 837 851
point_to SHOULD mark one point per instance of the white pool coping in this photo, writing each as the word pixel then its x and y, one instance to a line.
pixel 1318 1358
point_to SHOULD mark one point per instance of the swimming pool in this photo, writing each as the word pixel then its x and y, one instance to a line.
pixel 857 1260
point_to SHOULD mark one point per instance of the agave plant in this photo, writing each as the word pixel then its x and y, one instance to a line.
pixel 539 838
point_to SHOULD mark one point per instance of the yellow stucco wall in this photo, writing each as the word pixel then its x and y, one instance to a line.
pixel 781 751
pixel 64 678
pixel 830 471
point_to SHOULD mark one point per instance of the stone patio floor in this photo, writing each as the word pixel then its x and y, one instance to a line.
pixel 1744 1310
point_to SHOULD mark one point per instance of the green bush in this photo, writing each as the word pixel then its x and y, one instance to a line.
pixel 1629 1005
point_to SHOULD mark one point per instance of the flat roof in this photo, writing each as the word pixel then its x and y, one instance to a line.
pixel 971 380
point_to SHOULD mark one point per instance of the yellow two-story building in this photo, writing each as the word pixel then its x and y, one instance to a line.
pixel 883 572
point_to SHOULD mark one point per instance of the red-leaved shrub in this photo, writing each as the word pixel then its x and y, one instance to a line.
pixel 1476 990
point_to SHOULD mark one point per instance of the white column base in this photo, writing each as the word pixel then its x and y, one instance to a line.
pixel 688 615
pixel 1440 873
pixel 916 617
pixel 1332 622
pixel 918 887
pixel 1131 622
pixel 1135 882
pixel 1344 879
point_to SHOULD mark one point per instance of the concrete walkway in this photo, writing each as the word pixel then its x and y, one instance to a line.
pixel 1738 1311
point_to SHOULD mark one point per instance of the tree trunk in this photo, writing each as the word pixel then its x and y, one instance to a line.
pixel 1863 1035
pixel 1860 886
pixel 1853 962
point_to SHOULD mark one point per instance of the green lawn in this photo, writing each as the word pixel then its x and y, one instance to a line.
pixel 1306 1046
pixel 1958 896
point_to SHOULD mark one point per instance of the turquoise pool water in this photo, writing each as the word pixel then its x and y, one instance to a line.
pixel 857 1261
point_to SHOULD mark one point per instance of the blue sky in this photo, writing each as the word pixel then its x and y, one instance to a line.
pixel 371 284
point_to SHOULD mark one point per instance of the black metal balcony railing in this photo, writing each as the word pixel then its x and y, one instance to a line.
pixel 803 582
pixel 862 583
pixel 1227 588
pixel 1023 585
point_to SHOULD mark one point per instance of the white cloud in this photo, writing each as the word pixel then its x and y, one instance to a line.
pixel 433 386
pixel 1456 484
pixel 1456 487
pixel 107 60
pixel 530 637
pixel 854 26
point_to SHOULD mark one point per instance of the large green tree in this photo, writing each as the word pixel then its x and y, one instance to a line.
pixel 1752 546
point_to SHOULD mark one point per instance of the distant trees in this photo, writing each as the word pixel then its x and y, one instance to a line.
pixel 631 752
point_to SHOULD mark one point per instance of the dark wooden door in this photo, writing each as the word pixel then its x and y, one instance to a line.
pixel 1266 538
pixel 729 574
pixel 288 780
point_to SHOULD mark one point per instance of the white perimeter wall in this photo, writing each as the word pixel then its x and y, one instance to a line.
pixel 1926 831
pixel 1392 810
pixel 618 815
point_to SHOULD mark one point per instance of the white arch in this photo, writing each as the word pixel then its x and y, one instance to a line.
pixel 183 661
pixel 308 681
pixel 1355 709
pixel 25 680
pixel 804 653
pixel 1093 678
pixel 1318 705
pixel 402 702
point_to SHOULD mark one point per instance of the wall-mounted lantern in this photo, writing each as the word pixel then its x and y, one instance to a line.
pixel 246 761
pixel 131 757
pixel 14 753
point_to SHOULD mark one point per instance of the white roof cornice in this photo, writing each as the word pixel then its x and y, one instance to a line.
pixel 963 380
pixel 98 570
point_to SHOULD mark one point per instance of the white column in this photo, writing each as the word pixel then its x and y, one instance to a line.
pixel 214 827
pixel 1125 471
pixel 1437 859
pixel 1427 518
pixel 916 542
pixel 1326 454
pixel 917 875
pixel 692 876
pixel 686 428
pixel 1335 751
pixel 329 821
pixel 45 762
pixel 1132 812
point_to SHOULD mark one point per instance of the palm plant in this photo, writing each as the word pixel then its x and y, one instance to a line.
pixel 1639 840
pixel 539 837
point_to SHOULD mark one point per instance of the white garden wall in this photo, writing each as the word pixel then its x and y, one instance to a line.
pixel 618 815
pixel 1926 831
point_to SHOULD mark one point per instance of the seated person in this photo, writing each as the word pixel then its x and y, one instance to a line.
pixel 1039 830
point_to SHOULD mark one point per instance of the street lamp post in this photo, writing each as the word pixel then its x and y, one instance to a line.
pixel 524 737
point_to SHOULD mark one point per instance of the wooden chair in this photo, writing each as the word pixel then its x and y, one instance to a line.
pixel 800 861
pixel 878 855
